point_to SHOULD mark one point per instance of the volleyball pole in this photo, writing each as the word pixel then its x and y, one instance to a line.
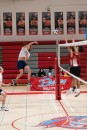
pixel 57 79
pixel 57 69
pixel 57 75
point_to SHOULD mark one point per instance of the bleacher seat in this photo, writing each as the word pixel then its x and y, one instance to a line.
pixel 10 51
pixel 42 56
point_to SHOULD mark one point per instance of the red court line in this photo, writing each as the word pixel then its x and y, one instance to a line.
pixel 66 113
pixel 36 92
pixel 81 92
pixel 30 92
pixel 13 122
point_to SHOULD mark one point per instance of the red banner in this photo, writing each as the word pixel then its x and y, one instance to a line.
pixel 48 83
pixel 71 22
pixel 7 23
pixel 43 83
pixel 20 23
pixel 46 23
pixel 33 23
pixel 65 82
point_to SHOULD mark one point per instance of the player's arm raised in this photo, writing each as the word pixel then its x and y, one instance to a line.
pixel 67 46
pixel 75 47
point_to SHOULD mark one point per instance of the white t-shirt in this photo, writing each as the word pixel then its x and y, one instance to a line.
pixel 50 74
pixel 23 52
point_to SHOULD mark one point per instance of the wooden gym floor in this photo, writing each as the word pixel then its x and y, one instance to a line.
pixel 30 110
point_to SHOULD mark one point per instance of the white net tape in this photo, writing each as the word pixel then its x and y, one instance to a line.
pixel 74 44
pixel 83 81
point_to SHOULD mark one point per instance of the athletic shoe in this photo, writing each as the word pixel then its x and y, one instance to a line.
pixel 4 109
pixel 14 82
pixel 69 91
pixel 77 94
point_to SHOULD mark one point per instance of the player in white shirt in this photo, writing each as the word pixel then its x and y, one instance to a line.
pixel 22 65
pixel 2 92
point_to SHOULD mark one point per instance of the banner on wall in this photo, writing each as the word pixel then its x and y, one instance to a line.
pixel 71 23
pixel 43 83
pixel 20 23
pixel 48 83
pixel 33 23
pixel 46 23
pixel 59 22
pixel 7 23
pixel 82 22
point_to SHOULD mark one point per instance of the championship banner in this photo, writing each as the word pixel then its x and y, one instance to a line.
pixel 33 23
pixel 71 23
pixel 7 23
pixel 48 83
pixel 20 23
pixel 46 23
pixel 82 22
pixel 59 22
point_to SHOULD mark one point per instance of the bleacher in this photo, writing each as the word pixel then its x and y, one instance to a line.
pixel 42 56
pixel 39 58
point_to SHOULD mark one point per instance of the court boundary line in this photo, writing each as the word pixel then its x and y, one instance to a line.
pixel 38 92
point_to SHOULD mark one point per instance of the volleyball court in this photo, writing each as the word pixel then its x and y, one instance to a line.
pixel 40 110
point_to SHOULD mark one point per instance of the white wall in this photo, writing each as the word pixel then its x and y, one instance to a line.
pixel 40 6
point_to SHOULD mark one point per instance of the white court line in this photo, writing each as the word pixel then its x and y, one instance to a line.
pixel 64 99
pixel 7 104
pixel 56 108
pixel 26 107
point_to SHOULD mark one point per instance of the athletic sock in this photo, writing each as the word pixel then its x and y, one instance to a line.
pixel 3 105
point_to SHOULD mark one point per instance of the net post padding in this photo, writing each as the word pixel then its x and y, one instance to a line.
pixel 57 78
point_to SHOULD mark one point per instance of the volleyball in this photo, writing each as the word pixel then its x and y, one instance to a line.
pixel 55 32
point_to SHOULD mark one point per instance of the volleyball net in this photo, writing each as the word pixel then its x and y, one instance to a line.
pixel 62 64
